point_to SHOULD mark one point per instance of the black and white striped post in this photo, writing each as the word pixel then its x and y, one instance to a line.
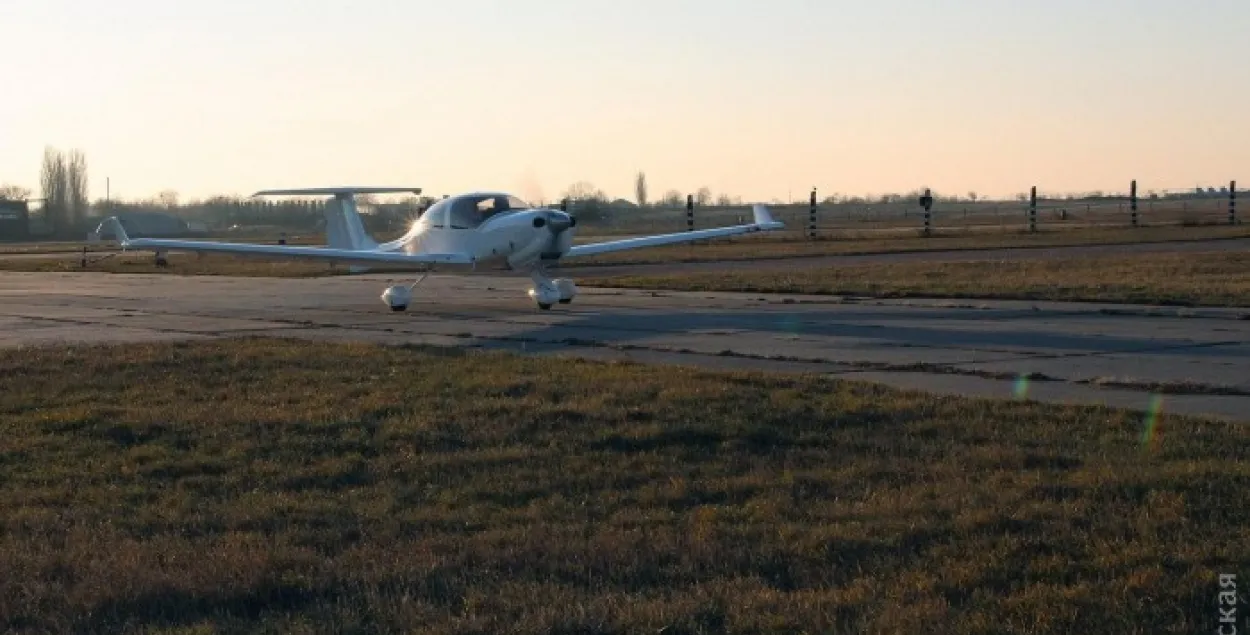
pixel 811 218
pixel 1232 203
pixel 1132 201
pixel 926 202
pixel 690 212
pixel 564 205
pixel 1033 209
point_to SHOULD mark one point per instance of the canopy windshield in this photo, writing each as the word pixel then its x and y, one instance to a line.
pixel 471 210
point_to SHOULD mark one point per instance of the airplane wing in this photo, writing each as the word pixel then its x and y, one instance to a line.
pixel 763 222
pixel 354 256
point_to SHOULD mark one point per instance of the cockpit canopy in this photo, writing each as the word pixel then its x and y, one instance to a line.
pixel 468 211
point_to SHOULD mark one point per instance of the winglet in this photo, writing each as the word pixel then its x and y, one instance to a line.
pixel 112 224
pixel 764 218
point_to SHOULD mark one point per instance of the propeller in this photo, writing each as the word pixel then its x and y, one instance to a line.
pixel 557 223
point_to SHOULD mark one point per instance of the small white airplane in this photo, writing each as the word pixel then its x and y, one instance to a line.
pixel 468 229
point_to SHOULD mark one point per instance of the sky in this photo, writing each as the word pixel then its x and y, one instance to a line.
pixel 762 99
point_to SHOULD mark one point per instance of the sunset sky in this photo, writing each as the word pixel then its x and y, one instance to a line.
pixel 753 98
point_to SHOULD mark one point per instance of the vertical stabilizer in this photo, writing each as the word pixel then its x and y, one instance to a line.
pixel 344 229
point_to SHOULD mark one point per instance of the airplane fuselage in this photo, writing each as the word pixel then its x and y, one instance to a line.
pixel 519 238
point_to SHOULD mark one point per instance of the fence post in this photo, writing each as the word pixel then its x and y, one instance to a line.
pixel 1132 201
pixel 811 219
pixel 564 205
pixel 926 202
pixel 1033 209
pixel 1232 203
pixel 690 212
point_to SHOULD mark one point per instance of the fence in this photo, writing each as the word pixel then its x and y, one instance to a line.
pixel 1158 208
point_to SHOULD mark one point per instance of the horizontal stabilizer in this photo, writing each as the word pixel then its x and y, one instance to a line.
pixel 338 191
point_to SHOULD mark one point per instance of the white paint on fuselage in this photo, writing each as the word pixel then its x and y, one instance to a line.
pixel 508 236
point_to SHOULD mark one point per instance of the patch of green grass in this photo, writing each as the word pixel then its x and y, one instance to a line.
pixel 1190 279
pixel 297 487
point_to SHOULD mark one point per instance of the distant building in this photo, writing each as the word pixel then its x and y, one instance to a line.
pixel 152 225
pixel 14 220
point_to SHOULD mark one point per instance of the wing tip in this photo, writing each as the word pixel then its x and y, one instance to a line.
pixel 763 216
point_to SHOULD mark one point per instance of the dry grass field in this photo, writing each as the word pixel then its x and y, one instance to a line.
pixel 783 245
pixel 756 247
pixel 1182 279
pixel 277 486
pixel 1185 279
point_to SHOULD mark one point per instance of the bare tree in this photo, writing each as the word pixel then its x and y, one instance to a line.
pixel 703 196
pixel 52 181
pixel 587 201
pixel 640 188
pixel 585 191
pixel 723 200
pixel 77 204
pixel 672 198
pixel 14 192
pixel 972 196
pixel 168 199
pixel 63 180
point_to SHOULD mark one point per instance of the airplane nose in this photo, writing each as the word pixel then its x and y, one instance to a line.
pixel 556 221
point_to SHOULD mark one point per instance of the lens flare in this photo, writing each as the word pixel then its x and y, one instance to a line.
pixel 1150 424
pixel 789 324
pixel 1021 390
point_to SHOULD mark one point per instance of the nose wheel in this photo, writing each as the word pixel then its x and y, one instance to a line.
pixel 546 292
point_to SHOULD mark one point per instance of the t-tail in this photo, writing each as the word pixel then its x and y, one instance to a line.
pixel 344 229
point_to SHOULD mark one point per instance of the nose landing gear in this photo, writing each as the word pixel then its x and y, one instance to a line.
pixel 546 291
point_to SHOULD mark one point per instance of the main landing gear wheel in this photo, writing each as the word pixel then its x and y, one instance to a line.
pixel 399 296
